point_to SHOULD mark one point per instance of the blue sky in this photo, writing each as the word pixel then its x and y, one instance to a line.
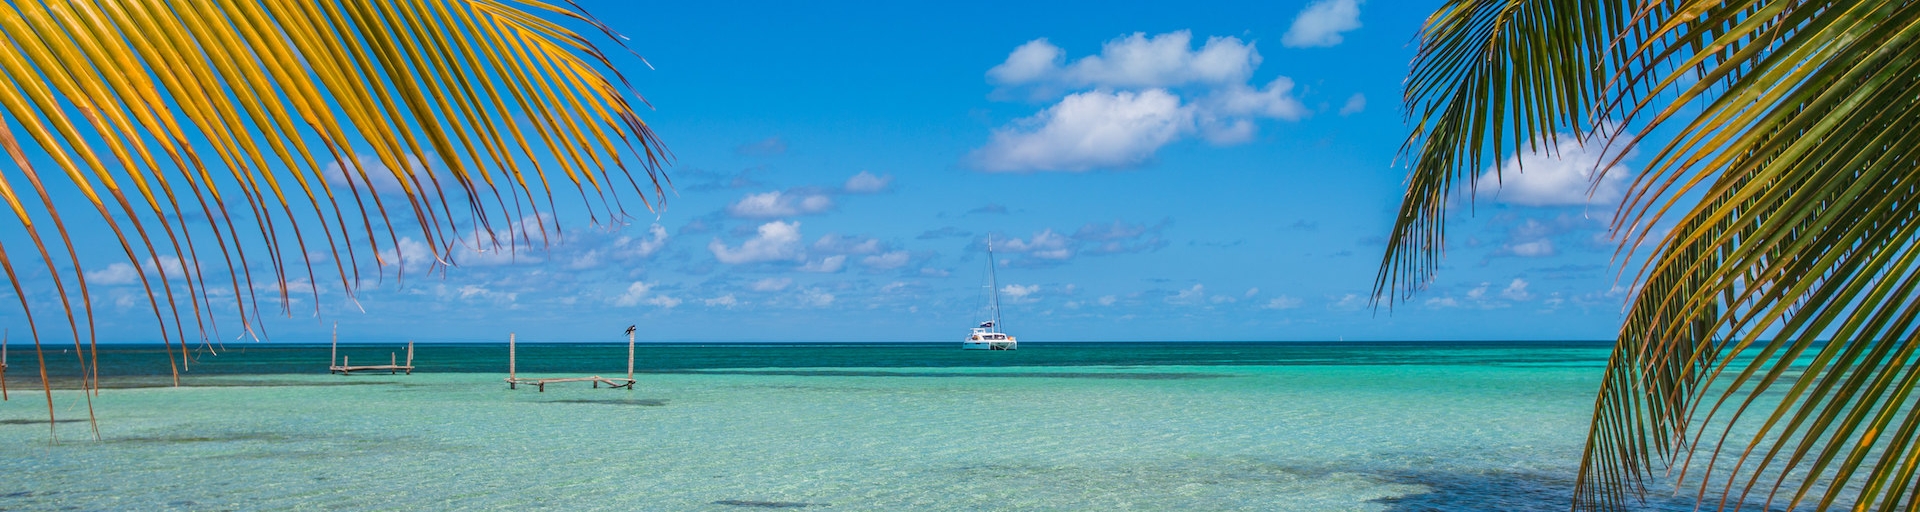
pixel 1212 172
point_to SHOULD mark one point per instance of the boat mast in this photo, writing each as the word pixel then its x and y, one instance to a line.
pixel 993 285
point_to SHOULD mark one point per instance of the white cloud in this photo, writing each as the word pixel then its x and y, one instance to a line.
pixel 1108 300
pixel 771 284
pixel 643 247
pixel 1252 292
pixel 1189 295
pixel 1442 302
pixel 1088 130
pixel 1129 102
pixel 776 241
pixel 1046 245
pixel 1322 22
pixel 1517 290
pixel 779 204
pixel 1227 118
pixel 891 260
pixel 815 297
pixel 827 265
pixel 1133 61
pixel 836 244
pixel 867 183
pixel 726 301
pixel 663 301
pixel 1019 293
pixel 1349 302
pixel 1479 292
pixel 1035 61
pixel 341 173
pixel 1355 104
pixel 473 293
pixel 1281 302
pixel 636 291
pixel 1533 249
pixel 123 273
pixel 1559 173
pixel 117 273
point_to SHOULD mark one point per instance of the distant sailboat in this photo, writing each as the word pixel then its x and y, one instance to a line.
pixel 987 335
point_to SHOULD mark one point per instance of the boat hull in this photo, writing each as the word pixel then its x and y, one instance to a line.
pixel 990 345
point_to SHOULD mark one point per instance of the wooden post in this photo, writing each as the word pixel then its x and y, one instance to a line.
pixel 511 355
pixel 3 367
pixel 629 355
pixel 334 353
pixel 409 357
pixel 393 363
pixel 344 365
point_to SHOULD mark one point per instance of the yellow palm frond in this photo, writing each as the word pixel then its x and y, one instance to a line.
pixel 202 131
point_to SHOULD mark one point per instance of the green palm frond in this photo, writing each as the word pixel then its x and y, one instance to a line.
pixel 201 131
pixel 1490 76
pixel 1773 344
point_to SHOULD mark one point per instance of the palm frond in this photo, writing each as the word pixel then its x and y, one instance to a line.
pixel 1773 342
pixel 201 131
pixel 1781 310
pixel 1490 75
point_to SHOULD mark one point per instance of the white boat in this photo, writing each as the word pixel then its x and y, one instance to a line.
pixel 987 335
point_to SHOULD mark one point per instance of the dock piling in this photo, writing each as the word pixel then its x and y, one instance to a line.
pixel 514 381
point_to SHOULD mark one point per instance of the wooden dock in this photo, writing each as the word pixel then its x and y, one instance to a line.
pixel 346 367
pixel 514 381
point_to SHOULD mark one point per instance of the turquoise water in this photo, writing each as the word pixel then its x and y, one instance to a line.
pixel 1214 426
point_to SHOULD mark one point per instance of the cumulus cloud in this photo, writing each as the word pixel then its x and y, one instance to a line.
pixel 117 273
pixel 725 301
pixel 1531 249
pixel 642 293
pixel 1107 300
pixel 1355 104
pixel 771 284
pixel 1046 245
pixel 1558 173
pixel 886 261
pixel 836 244
pixel 376 174
pixel 815 297
pixel 867 183
pixel 1281 302
pixel 644 246
pixel 1322 22
pixel 1517 290
pixel 124 273
pixel 1019 293
pixel 1189 296
pixel 779 204
pixel 1129 102
pixel 1050 247
pixel 1133 61
pixel 775 241
pixel 1089 130
pixel 827 265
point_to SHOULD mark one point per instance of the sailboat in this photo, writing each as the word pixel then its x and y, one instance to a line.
pixel 987 335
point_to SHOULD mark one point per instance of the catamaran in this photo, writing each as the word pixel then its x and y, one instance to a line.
pixel 987 335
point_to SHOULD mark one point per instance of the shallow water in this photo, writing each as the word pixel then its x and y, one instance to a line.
pixel 1489 426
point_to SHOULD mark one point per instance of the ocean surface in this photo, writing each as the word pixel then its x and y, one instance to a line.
pixel 1053 426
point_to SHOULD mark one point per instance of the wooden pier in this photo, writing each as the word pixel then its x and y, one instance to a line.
pixel 345 366
pixel 514 381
